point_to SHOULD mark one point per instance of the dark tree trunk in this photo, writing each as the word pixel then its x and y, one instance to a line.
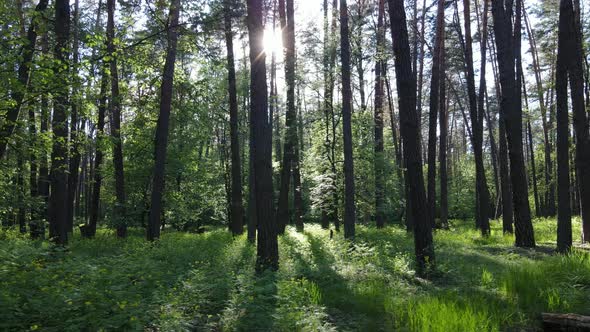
pixel 291 141
pixel 349 192
pixel 437 76
pixel 161 141
pixel 24 69
pixel 102 105
pixel 115 104
pixel 237 209
pixel 59 181
pixel 580 121
pixel 508 47
pixel 267 249
pixel 442 157
pixel 564 212
pixel 379 162
pixel 74 135
pixel 476 114
pixel 406 87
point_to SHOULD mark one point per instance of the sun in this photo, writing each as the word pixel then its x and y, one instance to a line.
pixel 273 42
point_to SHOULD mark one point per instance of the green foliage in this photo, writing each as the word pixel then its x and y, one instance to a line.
pixel 207 282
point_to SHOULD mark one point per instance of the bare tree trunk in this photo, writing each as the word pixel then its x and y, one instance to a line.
pixel 437 58
pixel 406 87
pixel 291 141
pixel 237 209
pixel 267 250
pixel 59 181
pixel 564 213
pixel 349 191
pixel 74 134
pixel 116 124
pixel 508 59
pixel 580 121
pixel 161 141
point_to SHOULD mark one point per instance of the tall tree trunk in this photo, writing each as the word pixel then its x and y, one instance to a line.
pixel 442 157
pixel 162 129
pixel 508 46
pixel 379 162
pixel 437 58
pixel 582 135
pixel 476 115
pixel 291 141
pixel 98 174
pixel 349 191
pixel 115 104
pixel 24 69
pixel 267 249
pixel 75 138
pixel 406 87
pixel 237 209
pixel 59 181
pixel 564 213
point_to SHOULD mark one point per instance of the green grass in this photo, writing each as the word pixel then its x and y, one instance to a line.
pixel 207 282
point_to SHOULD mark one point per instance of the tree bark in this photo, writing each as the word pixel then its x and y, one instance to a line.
pixel 508 46
pixel 162 129
pixel 59 181
pixel 406 87
pixel 349 191
pixel 115 104
pixel 290 141
pixel 74 134
pixel 267 249
pixel 237 209
pixel 476 113
pixel 564 213
pixel 437 75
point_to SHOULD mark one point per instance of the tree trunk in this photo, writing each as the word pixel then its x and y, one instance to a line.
pixel 442 157
pixel 59 181
pixel 291 141
pixel 476 114
pixel 161 141
pixel 564 213
pixel 102 105
pixel 236 178
pixel 508 56
pixel 437 75
pixel 580 121
pixel 267 250
pixel 406 87
pixel 74 134
pixel 349 191
pixel 379 162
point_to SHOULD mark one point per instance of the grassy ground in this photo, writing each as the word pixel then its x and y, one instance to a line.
pixel 206 282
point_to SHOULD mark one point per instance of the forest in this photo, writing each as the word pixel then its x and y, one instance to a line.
pixel 295 165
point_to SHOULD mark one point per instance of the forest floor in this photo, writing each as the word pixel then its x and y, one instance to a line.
pixel 206 282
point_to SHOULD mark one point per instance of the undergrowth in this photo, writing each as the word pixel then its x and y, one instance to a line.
pixel 206 282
